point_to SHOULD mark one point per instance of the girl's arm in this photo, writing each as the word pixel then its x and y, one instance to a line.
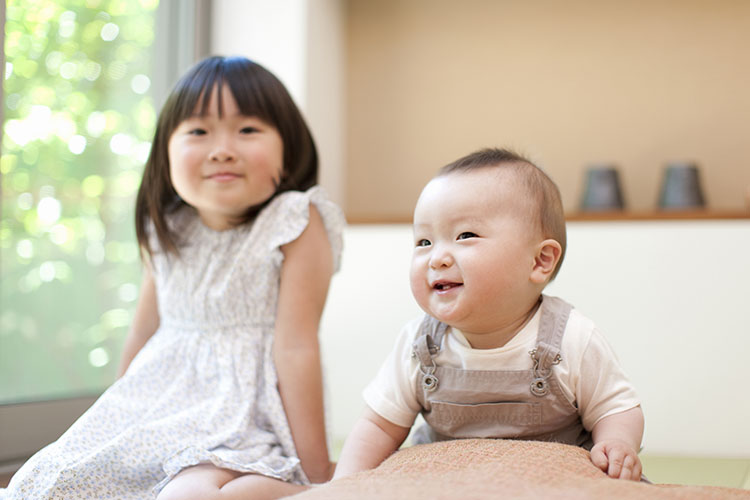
pixel 305 277
pixel 617 439
pixel 145 321
pixel 371 441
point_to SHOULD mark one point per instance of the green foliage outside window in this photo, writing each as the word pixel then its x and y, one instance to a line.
pixel 78 119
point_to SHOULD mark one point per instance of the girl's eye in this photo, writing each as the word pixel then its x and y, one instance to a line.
pixel 248 130
pixel 197 131
pixel 466 235
pixel 423 243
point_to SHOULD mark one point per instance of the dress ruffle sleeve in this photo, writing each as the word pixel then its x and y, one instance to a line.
pixel 289 214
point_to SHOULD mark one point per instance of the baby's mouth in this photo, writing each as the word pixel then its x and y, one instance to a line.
pixel 442 286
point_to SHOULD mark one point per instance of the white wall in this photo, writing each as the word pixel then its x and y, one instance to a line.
pixel 270 33
pixel 302 43
pixel 368 302
pixel 326 91
pixel 672 298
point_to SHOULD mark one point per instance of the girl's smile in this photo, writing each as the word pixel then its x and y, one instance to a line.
pixel 224 176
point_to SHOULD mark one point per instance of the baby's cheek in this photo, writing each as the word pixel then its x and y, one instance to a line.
pixel 419 285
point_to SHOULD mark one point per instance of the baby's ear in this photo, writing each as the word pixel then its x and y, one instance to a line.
pixel 545 261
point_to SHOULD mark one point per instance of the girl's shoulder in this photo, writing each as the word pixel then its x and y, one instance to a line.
pixel 288 214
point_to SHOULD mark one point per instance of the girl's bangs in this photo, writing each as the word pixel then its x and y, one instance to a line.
pixel 194 98
pixel 249 86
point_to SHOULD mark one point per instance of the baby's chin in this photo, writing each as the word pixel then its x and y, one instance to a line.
pixel 448 314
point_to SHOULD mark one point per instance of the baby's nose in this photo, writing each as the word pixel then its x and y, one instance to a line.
pixel 441 258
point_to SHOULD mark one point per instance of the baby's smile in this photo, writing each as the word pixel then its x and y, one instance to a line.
pixel 443 285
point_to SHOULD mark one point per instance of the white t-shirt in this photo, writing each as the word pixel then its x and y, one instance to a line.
pixel 589 372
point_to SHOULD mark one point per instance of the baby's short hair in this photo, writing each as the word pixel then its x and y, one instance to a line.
pixel 541 190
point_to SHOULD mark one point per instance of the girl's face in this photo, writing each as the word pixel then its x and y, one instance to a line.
pixel 223 166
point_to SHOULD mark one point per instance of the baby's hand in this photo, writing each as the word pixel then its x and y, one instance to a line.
pixel 617 458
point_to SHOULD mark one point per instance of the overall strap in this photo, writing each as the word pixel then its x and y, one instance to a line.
pixel 554 318
pixel 429 339
pixel 423 349
pixel 438 331
pixel 426 347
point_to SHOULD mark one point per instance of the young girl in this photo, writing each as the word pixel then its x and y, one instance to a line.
pixel 220 394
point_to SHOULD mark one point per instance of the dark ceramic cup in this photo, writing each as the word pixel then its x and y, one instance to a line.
pixel 602 190
pixel 681 187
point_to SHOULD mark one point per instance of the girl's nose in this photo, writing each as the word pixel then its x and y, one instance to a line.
pixel 222 151
pixel 440 258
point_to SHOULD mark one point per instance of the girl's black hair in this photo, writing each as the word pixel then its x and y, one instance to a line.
pixel 258 93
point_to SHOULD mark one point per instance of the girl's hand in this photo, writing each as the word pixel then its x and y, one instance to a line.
pixel 617 458
pixel 325 476
pixel 331 470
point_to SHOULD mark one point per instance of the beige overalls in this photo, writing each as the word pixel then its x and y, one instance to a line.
pixel 516 404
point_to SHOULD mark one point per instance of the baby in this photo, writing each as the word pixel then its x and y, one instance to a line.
pixel 494 357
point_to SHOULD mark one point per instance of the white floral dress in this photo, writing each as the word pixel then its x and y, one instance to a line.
pixel 203 388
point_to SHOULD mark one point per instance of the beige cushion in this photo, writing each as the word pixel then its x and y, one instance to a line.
pixel 485 468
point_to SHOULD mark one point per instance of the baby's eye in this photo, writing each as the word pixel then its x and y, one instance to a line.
pixel 424 243
pixel 248 130
pixel 466 235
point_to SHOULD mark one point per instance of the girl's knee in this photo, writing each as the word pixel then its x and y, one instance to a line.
pixel 206 482
pixel 200 482
pixel 183 492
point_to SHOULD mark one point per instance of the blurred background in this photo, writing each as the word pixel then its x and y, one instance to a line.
pixel 392 91
pixel 570 84
pixel 82 83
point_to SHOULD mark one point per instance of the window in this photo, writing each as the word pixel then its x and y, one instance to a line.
pixel 78 120
pixel 81 84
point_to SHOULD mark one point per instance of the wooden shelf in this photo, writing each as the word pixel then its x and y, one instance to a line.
pixel 609 216
pixel 604 216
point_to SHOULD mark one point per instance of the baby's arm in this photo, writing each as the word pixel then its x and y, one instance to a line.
pixel 145 321
pixel 371 441
pixel 305 277
pixel 617 439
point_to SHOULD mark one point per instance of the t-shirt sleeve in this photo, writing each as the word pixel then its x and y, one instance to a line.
pixel 287 216
pixel 602 387
pixel 392 393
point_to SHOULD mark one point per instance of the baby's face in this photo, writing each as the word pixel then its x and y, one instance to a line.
pixel 474 250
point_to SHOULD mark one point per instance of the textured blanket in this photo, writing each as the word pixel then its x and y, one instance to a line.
pixel 483 468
